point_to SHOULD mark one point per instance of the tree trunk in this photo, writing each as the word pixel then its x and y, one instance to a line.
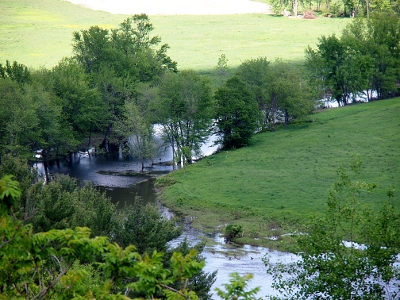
pixel 294 3
pixel 367 6
pixel 89 142
pixel 104 143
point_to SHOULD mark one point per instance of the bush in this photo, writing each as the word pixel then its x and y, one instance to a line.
pixel 232 232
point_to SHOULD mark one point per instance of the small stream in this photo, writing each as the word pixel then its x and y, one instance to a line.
pixel 105 172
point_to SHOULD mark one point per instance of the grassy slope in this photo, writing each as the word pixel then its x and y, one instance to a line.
pixel 283 177
pixel 38 33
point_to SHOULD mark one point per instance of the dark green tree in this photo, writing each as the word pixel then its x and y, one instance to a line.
pixel 253 72
pixel 237 114
pixel 16 72
pixel 82 106
pixel 62 204
pixel 18 119
pixel 143 226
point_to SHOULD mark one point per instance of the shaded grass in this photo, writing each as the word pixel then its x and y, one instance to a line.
pixel 39 33
pixel 281 180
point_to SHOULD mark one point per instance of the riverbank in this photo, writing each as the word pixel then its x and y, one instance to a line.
pixel 275 186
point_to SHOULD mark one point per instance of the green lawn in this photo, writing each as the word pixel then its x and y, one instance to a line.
pixel 39 34
pixel 283 177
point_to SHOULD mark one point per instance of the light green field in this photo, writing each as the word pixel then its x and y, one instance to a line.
pixel 282 178
pixel 39 33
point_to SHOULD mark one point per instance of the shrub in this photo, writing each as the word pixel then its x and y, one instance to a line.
pixel 232 232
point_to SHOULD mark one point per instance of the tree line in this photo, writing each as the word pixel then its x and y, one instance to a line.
pixel 343 8
pixel 362 62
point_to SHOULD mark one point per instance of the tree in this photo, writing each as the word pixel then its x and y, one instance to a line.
pixel 62 204
pixel 18 119
pixel 144 227
pixel 58 263
pixel 222 70
pixel 363 60
pixel 286 93
pixel 185 112
pixel 82 106
pixel 202 282
pixel 118 60
pixel 16 72
pixel 135 127
pixel 330 268
pixel 329 63
pixel 236 289
pixel 253 72
pixel 236 115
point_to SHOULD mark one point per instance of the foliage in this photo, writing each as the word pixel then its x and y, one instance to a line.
pixel 9 193
pixel 286 94
pixel 16 72
pixel 332 264
pixel 62 204
pixel 232 232
pixel 236 289
pixel 135 128
pixel 118 59
pixel 185 110
pixel 222 69
pixel 144 227
pixel 19 127
pixel 236 114
pixel 281 90
pixel 200 283
pixel 49 264
pixel 364 59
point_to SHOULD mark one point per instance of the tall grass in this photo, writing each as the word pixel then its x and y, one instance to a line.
pixel 39 34
pixel 283 177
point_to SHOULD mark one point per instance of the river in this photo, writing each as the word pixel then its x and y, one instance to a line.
pixel 105 172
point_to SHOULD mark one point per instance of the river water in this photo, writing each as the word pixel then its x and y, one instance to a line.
pixel 106 173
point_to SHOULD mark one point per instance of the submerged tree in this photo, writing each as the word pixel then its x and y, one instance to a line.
pixel 185 111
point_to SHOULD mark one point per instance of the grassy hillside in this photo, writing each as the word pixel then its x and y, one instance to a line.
pixel 283 177
pixel 38 33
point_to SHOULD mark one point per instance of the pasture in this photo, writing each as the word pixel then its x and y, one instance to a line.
pixel 39 33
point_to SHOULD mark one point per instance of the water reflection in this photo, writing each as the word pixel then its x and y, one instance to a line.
pixel 228 258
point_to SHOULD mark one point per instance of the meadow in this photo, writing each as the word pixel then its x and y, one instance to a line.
pixel 39 34
pixel 281 180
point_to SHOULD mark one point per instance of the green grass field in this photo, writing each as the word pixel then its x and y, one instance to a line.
pixel 39 34
pixel 283 177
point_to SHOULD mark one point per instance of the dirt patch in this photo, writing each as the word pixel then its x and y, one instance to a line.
pixel 176 7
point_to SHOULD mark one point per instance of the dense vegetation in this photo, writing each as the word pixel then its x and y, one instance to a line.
pixel 120 82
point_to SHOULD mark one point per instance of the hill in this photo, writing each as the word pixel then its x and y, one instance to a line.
pixel 281 180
